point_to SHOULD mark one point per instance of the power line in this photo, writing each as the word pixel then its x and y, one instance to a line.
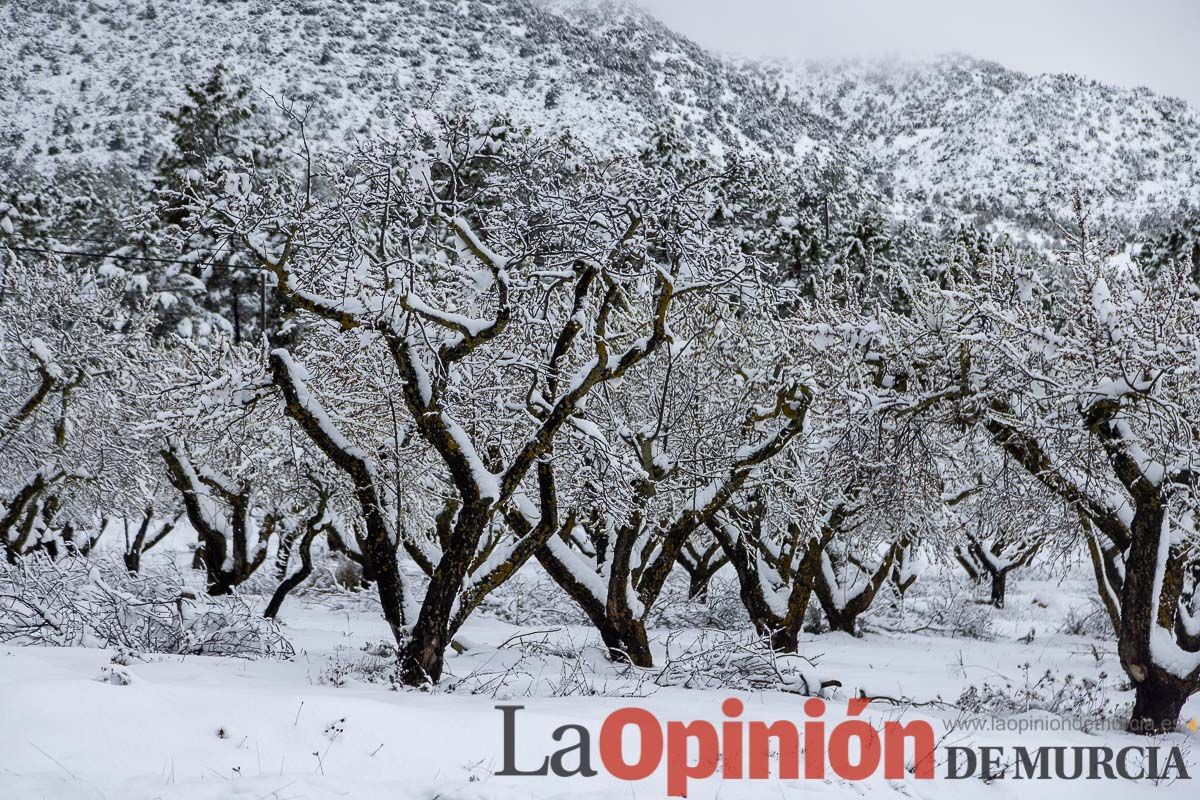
pixel 57 237
pixel 107 256
pixel 67 236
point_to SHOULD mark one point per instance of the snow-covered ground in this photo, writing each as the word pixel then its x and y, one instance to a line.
pixel 327 723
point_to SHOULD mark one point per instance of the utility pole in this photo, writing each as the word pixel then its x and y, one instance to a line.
pixel 262 302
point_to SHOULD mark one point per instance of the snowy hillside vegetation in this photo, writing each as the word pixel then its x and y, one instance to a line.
pixel 92 79
pixel 973 135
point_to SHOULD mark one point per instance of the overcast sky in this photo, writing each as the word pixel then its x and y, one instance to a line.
pixel 1153 43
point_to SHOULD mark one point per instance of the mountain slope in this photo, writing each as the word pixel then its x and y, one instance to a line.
pixel 977 136
pixel 91 79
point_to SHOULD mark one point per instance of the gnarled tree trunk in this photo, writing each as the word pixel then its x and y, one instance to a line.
pixel 842 607
pixel 312 526
pixel 143 540
pixel 227 561
pixel 701 566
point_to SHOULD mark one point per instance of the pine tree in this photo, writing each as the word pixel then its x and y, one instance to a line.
pixel 200 282
pixel 1179 245
pixel 211 124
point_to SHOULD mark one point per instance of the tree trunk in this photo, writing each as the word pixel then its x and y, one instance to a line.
pixel 784 631
pixel 425 654
pixel 623 634
pixel 968 567
pixel 237 313
pixel 219 581
pixel 1159 695
pixel 1108 577
pixel 786 639
pixel 999 585
pixel 626 641
pixel 291 582
pixel 1157 703
pixel 700 567
pixel 842 619
pixel 284 588
pixel 385 572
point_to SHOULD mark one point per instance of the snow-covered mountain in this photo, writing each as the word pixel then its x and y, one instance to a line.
pixel 91 80
pixel 972 134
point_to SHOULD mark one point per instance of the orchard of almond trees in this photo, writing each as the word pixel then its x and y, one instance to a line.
pixel 708 416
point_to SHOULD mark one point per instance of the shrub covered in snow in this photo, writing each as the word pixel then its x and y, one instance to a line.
pixel 77 602
pixel 1087 699
pixel 532 601
pixel 1088 620
pixel 743 662
pixel 374 662
pixel 720 607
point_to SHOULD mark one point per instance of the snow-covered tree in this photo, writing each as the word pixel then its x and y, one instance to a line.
pixel 522 293
pixel 201 283
pixel 777 556
pixel 701 557
pixel 857 479
pixel 1095 396
pixel 1007 519
pixel 655 461
pixel 67 359
pixel 217 438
